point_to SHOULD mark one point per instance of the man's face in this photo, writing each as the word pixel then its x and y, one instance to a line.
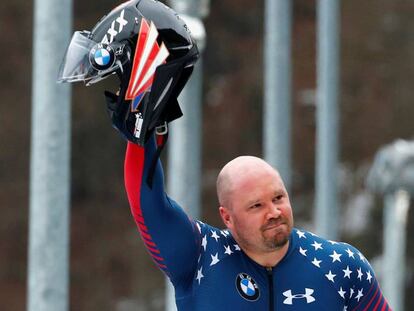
pixel 259 214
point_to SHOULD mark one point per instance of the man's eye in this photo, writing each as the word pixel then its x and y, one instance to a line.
pixel 257 205
pixel 278 198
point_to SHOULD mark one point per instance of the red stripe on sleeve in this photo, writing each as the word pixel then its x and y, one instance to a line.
pixel 377 304
pixel 372 299
pixel 134 169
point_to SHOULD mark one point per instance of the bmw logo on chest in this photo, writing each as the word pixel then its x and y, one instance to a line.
pixel 102 56
pixel 247 287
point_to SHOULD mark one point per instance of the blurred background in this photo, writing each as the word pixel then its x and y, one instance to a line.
pixel 109 267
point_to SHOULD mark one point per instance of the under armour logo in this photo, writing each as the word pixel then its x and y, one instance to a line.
pixel 120 21
pixel 289 296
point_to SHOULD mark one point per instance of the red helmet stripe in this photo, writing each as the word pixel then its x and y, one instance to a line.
pixel 148 56
pixel 146 69
pixel 142 38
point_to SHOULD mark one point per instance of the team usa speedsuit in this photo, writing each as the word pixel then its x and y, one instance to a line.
pixel 210 272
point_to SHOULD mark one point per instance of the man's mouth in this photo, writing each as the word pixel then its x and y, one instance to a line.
pixel 273 225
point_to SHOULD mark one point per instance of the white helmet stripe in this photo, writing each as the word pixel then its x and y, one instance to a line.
pixel 149 44
pixel 159 59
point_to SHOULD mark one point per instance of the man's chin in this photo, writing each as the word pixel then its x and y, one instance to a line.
pixel 279 243
pixel 278 240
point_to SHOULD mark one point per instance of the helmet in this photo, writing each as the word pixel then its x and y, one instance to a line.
pixel 150 49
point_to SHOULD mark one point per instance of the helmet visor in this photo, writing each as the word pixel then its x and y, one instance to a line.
pixel 76 65
pixel 86 60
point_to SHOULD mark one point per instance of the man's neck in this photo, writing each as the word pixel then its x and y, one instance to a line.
pixel 269 259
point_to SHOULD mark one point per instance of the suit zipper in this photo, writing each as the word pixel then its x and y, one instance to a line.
pixel 271 296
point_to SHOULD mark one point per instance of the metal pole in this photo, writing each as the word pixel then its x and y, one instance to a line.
pixel 327 118
pixel 49 166
pixel 277 67
pixel 395 231
pixel 184 156
pixel 194 8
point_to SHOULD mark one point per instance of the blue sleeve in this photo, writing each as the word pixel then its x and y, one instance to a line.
pixel 364 291
pixel 171 238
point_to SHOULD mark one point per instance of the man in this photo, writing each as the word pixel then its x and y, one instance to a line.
pixel 255 207
pixel 260 262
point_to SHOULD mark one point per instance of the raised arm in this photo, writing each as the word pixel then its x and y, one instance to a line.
pixel 171 238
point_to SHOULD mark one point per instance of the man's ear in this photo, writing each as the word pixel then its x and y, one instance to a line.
pixel 225 216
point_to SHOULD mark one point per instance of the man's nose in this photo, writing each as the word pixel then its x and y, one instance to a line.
pixel 273 211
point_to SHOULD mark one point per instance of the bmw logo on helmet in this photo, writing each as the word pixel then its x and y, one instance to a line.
pixel 247 287
pixel 102 56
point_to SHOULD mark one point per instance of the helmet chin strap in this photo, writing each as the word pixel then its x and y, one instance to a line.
pixel 161 135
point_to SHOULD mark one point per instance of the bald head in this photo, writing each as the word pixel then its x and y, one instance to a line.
pixel 235 172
